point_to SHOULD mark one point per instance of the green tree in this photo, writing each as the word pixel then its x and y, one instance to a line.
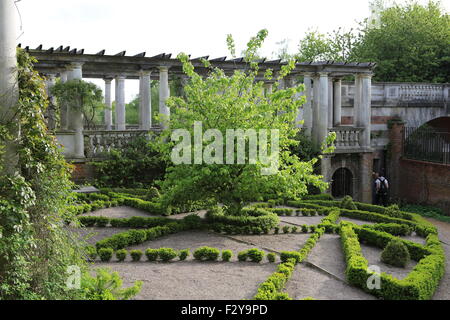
pixel 410 43
pixel 80 94
pixel 236 101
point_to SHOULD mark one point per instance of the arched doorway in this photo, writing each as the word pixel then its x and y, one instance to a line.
pixel 342 184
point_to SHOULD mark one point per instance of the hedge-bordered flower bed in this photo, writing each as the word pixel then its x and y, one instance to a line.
pixel 419 284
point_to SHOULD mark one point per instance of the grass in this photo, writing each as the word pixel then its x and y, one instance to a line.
pixel 426 211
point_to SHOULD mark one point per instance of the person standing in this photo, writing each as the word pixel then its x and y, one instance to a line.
pixel 382 188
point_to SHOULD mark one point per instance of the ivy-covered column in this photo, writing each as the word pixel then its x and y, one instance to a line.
pixel 145 101
pixel 8 86
pixel 76 122
pixel 51 111
pixel 315 109
pixel 164 93
pixel 108 104
pixel 120 103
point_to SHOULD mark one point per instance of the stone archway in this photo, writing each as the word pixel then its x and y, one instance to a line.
pixel 342 183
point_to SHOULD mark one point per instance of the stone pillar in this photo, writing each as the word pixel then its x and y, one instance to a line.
pixel 330 102
pixel 51 110
pixel 120 103
pixel 315 110
pixel 364 115
pixel 268 86
pixel 76 121
pixel 325 170
pixel 337 111
pixel 366 169
pixel 322 131
pixel 145 101
pixel 108 105
pixel 307 107
pixel 64 110
pixel 164 93
pixel 8 84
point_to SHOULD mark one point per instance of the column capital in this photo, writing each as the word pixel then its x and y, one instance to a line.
pixel 366 75
pixel 145 72
pixel 323 74
pixel 308 74
pixel 163 68
pixel 108 80
pixel 120 77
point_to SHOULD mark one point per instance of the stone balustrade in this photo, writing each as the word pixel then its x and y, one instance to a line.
pixel 99 143
pixel 347 138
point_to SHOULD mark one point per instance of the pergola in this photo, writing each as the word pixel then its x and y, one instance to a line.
pixel 321 112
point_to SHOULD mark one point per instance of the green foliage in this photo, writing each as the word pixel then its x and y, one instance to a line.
pixel 106 286
pixel 241 104
pixel 254 255
pixel 34 250
pixel 121 254
pixel 79 94
pixel 226 255
pixel 395 254
pixel 347 203
pixel 206 254
pixel 135 255
pixel 242 256
pixel 271 257
pixel 152 254
pixel 250 217
pixel 91 253
pixel 167 254
pixel 426 211
pixel 286 229
pixel 183 254
pixel 105 254
pixel 392 228
pixel 409 45
pixel 271 288
pixel 140 164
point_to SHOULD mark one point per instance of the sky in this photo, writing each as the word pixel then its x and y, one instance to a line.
pixel 196 27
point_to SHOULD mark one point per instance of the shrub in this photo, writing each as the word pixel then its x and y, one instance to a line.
pixel 183 254
pixel 287 255
pixel 305 228
pixel 243 255
pixel 91 253
pixel 136 255
pixel 226 255
pixel 121 254
pixel 395 254
pixel 276 230
pixel 105 254
pixel 347 203
pixel 152 254
pixel 255 255
pixel 393 211
pixel 271 257
pixel 294 229
pixel 167 254
pixel 286 229
pixel 206 254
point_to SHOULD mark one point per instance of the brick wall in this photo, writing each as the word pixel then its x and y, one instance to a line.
pixel 425 182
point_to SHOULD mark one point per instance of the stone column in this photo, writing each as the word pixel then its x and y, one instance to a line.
pixel 364 115
pixel 120 103
pixel 323 108
pixel 325 170
pixel 51 110
pixel 330 102
pixel 8 84
pixel 64 110
pixel 395 151
pixel 145 101
pixel 268 86
pixel 108 105
pixel 164 93
pixel 307 107
pixel 315 109
pixel 337 111
pixel 76 121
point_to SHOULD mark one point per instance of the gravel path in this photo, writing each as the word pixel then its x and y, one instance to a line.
pixel 118 212
pixel 327 254
pixel 307 282
pixel 443 291
pixel 355 221
pixel 194 280
pixel 92 235
pixel 301 220
pixel 276 242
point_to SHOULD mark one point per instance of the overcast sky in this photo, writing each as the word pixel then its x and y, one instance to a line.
pixel 197 27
